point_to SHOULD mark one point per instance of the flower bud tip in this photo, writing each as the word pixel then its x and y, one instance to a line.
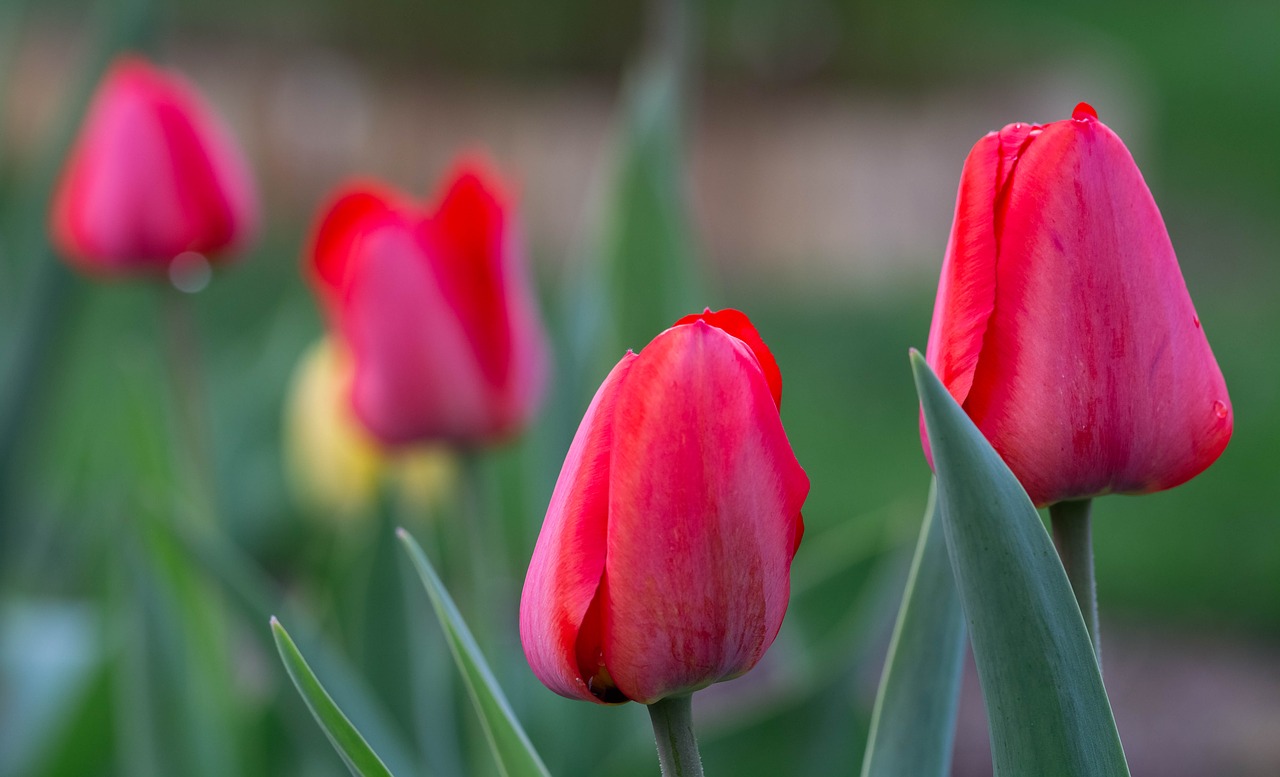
pixel 1084 112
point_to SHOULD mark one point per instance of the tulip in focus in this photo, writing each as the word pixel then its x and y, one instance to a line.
pixel 1063 325
pixel 153 175
pixel 434 305
pixel 663 565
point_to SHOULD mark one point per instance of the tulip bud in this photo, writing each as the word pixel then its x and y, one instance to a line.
pixel 435 307
pixel 663 565
pixel 1063 325
pixel 333 464
pixel 152 175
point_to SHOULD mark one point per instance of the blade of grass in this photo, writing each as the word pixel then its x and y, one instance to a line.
pixel 355 752
pixel 253 592
pixel 511 748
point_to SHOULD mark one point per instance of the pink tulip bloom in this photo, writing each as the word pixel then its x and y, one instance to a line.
pixel 664 562
pixel 435 308
pixel 1062 323
pixel 153 174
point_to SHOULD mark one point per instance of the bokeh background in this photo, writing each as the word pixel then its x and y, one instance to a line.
pixel 794 159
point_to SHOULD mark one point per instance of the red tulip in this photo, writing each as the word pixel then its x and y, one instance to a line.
pixel 664 562
pixel 1062 323
pixel 434 306
pixel 153 174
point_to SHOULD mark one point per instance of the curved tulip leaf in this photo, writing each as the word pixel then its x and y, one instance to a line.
pixel 1046 705
pixel 511 748
pixel 252 592
pixel 913 725
pixel 355 752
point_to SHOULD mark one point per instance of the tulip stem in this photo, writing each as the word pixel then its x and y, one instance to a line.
pixel 673 729
pixel 1074 539
pixel 182 344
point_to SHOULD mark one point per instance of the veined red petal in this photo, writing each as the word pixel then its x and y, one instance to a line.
pixel 736 323
pixel 568 564
pixel 703 509
pixel 1094 375
pixel 967 287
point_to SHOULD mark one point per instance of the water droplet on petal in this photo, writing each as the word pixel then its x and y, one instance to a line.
pixel 1197 319
pixel 1084 112
pixel 1219 408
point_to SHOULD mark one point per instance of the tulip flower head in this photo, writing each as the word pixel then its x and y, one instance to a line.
pixel 663 565
pixel 1062 323
pixel 434 306
pixel 153 175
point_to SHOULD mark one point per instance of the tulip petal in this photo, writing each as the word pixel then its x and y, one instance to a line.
pixel 568 561
pixel 1140 404
pixel 736 323
pixel 357 208
pixel 408 387
pixel 153 173
pixel 967 288
pixel 703 513
pixel 466 239
pixel 217 195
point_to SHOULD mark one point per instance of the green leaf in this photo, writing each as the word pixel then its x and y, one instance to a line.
pixel 641 270
pixel 511 748
pixel 254 594
pixel 355 752
pixel 648 246
pixel 913 725
pixel 1048 710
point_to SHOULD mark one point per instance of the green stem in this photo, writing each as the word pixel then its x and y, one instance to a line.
pixel 1074 540
pixel 673 729
pixel 182 344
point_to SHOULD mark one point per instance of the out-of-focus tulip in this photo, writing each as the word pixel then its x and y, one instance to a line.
pixel 153 174
pixel 336 468
pixel 435 307
pixel 663 565
pixel 1063 325
pixel 333 463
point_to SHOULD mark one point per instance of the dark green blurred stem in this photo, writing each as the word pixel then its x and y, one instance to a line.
pixel 51 302
pixel 1074 539
pixel 182 346
pixel 672 719
pixel 483 539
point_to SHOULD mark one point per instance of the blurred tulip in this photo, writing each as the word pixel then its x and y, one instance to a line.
pixel 152 175
pixel 663 565
pixel 335 467
pixel 1063 325
pixel 435 307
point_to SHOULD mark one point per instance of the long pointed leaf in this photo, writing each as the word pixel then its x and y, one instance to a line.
pixel 254 594
pixel 511 747
pixel 913 726
pixel 1047 707
pixel 355 752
